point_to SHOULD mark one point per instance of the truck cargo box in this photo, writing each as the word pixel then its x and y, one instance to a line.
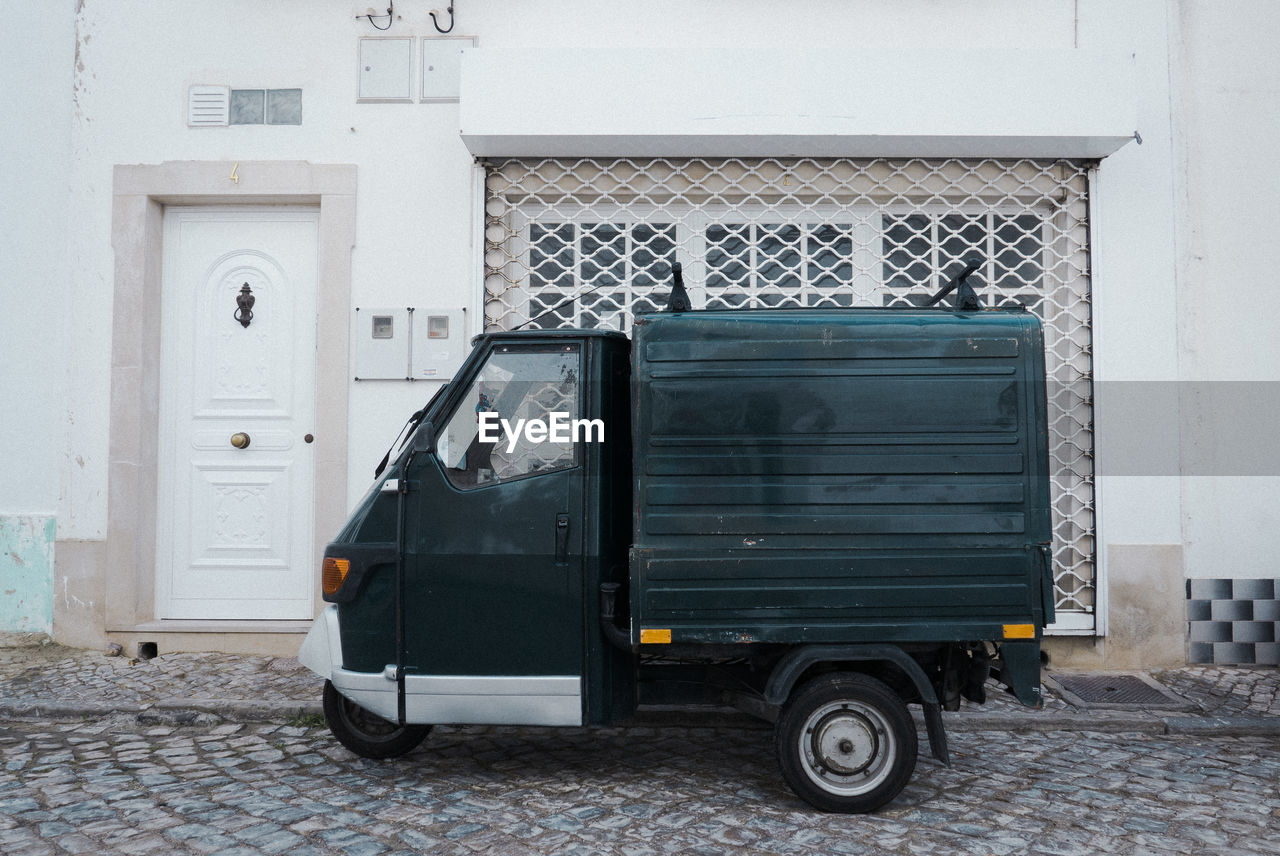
pixel 838 476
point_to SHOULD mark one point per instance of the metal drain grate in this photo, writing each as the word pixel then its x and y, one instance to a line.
pixel 1123 691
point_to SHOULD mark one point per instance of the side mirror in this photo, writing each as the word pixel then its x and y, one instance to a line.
pixel 424 439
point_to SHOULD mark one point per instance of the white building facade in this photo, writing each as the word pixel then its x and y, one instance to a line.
pixel 383 191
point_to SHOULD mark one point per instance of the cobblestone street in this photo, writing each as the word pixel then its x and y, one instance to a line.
pixel 114 786
pixel 223 754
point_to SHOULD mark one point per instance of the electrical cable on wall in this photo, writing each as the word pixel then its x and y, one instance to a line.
pixel 436 23
pixel 390 16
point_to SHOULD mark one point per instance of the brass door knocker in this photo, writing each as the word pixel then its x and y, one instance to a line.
pixel 244 305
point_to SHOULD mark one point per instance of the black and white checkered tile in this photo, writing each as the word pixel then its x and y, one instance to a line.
pixel 1234 621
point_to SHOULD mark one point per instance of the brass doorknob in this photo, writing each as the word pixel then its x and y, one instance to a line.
pixel 240 440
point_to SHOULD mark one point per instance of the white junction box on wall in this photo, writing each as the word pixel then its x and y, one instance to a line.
pixel 408 344
pixel 439 343
pixel 386 69
pixel 442 67
pixel 381 349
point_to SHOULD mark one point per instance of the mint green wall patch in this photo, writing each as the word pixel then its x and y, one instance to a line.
pixel 26 574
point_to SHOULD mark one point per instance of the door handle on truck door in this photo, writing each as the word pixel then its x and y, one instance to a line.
pixel 562 539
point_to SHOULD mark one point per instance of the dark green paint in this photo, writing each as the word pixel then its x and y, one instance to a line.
pixel 791 478
pixel 484 594
pixel 367 623
pixel 841 476
pixel 1020 670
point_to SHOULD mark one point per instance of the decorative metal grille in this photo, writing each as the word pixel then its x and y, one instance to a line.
pixel 552 454
pixel 516 385
pixel 809 233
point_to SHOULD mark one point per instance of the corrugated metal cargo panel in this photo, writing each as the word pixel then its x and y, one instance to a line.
pixel 807 475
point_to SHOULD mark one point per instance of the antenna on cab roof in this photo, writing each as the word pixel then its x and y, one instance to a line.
pixel 563 303
pixel 966 297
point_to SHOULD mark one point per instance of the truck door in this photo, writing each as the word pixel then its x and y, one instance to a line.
pixel 493 547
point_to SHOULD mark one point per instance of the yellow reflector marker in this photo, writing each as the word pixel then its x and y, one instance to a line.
pixel 1019 631
pixel 653 636
pixel 334 572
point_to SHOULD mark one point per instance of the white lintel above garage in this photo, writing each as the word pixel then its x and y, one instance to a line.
pixel 775 103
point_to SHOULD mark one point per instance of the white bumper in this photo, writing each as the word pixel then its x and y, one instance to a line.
pixel 439 699
pixel 321 651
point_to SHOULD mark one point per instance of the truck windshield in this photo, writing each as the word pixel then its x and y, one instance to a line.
pixel 492 434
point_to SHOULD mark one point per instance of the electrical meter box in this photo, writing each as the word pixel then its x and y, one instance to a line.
pixel 442 67
pixel 439 342
pixel 381 343
pixel 386 68
pixel 408 343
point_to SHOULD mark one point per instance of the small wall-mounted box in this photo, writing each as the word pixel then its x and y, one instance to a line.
pixel 408 343
pixel 442 67
pixel 439 343
pixel 386 68
pixel 382 343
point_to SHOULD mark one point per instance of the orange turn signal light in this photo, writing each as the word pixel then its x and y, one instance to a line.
pixel 1019 631
pixel 334 573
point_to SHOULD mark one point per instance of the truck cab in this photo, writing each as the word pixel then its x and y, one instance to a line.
pixel 819 516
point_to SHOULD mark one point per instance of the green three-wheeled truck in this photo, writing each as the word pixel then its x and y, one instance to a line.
pixel 820 516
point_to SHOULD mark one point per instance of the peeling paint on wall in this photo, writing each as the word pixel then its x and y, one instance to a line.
pixel 26 574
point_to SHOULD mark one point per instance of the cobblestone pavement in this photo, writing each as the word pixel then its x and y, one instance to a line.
pixel 113 787
pixel 102 777
pixel 53 673
pixel 1226 691
pixel 68 674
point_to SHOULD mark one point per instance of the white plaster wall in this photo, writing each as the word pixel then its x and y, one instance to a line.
pixel 415 206
pixel 36 60
pixel 821 102
pixel 414 180
pixel 415 183
pixel 1134 297
pixel 798 25
pixel 1227 80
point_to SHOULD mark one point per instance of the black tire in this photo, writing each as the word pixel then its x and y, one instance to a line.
pixel 367 734
pixel 846 743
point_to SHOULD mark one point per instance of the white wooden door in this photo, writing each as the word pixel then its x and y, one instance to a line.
pixel 234 536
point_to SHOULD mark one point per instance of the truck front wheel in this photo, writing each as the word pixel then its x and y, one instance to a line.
pixel 846 743
pixel 367 734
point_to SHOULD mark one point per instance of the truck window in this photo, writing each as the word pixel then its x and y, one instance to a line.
pixel 516 417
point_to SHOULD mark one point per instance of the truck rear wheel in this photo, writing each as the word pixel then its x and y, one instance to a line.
pixel 846 743
pixel 367 734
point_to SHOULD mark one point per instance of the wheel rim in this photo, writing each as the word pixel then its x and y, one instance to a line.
pixel 848 747
pixel 368 725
